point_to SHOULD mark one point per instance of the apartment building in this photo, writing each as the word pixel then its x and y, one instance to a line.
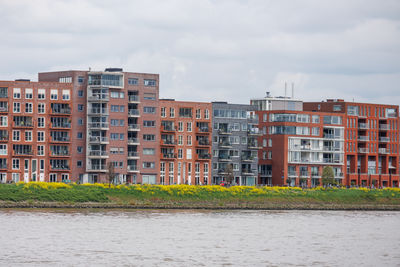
pixel 185 147
pixel 234 144
pixel 35 131
pixel 115 121
pixel 297 145
pixel 371 141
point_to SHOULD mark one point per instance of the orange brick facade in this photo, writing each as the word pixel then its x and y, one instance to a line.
pixel 185 148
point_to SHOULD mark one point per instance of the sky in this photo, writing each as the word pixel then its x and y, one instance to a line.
pixel 214 50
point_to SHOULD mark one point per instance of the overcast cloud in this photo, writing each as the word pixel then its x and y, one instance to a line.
pixel 207 50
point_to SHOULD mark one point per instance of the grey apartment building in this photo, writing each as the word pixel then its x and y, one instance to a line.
pixel 234 143
pixel 114 120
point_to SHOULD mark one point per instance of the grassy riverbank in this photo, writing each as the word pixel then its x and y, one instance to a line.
pixel 38 194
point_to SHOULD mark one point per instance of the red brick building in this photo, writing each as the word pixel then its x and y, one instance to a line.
pixel 371 141
pixel 297 145
pixel 115 120
pixel 35 131
pixel 185 147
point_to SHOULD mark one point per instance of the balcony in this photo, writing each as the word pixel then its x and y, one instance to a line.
pixel 98 153
pixel 59 167
pixel 133 127
pixel 339 175
pixel 254 131
pixel 292 174
pixel 167 128
pixel 384 139
pixel 203 156
pixel 98 139
pixel 332 161
pixel 133 99
pixel 59 154
pixel 248 171
pixel 224 131
pixel 133 141
pixel 304 174
pixel 3 109
pixel 252 145
pixel 23 124
pixel 363 150
pixel 133 113
pixel 266 174
pixel 22 153
pixel 332 149
pixel 97 167
pixel 384 127
pixel 363 138
pixel 98 125
pixel 383 151
pixel 60 111
pixel 203 130
pixel 133 155
pixel 168 142
pixel 60 139
pixel 168 156
pixel 202 142
pixel 247 158
pixel 315 175
pixel 224 144
pixel 132 168
pixel 98 112
pixel 98 98
pixel 363 126
pixel 224 157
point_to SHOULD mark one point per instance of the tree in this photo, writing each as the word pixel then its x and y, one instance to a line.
pixel 229 173
pixel 110 173
pixel 328 176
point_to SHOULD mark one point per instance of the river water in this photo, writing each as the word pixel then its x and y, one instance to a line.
pixel 199 238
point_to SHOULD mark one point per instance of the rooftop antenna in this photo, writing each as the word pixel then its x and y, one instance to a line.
pixel 292 90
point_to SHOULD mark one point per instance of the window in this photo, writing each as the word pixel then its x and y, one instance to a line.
pixel 79 164
pixel 65 94
pixel 79 149
pixel 148 179
pixel 180 154
pixel 122 108
pixel 163 113
pixel 189 126
pixel 80 93
pixel 40 150
pixel 40 136
pixel 114 136
pixel 149 96
pixel 28 136
pixel 149 123
pixel 80 107
pixel 79 135
pixel 16 135
pixel 121 136
pixel 121 95
pixel 17 93
pixel 198 113
pixel 180 126
pixel 53 94
pixel 337 107
pixel 352 110
pixel 114 108
pixel 81 79
pixel 189 140
pixel 188 153
pixel 185 112
pixel 16 107
pixel 148 165
pixel 114 94
pixel 149 151
pixel 315 119
pixel 3 121
pixel 114 122
pixel 28 107
pixel 149 137
pixel 121 122
pixel 3 149
pixel 133 81
pixel 180 140
pixel 15 164
pixel 65 79
pixel 206 114
pixel 149 110
pixel 41 108
pixel 80 121
pixel 149 82
pixel 172 112
pixel 315 131
pixel 28 93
